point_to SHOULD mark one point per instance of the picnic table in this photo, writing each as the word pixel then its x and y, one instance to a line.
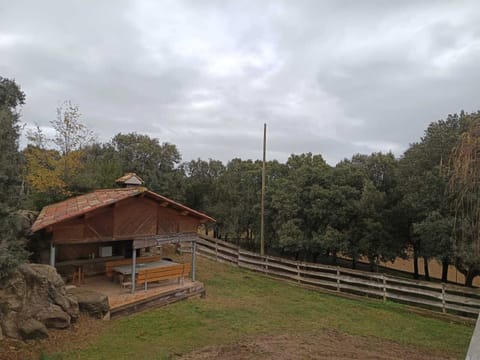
pixel 153 272
pixel 127 269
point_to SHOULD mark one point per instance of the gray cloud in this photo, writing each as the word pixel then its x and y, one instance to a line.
pixel 328 77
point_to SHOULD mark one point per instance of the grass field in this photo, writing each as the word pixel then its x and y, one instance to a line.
pixel 242 307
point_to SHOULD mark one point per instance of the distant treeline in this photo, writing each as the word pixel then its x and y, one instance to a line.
pixel 425 203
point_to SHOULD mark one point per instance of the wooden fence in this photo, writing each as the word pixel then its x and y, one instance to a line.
pixel 445 297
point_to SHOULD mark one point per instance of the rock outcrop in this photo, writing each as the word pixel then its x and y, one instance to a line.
pixel 91 302
pixel 34 299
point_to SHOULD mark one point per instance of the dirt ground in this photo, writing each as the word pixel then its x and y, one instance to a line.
pixel 78 335
pixel 325 345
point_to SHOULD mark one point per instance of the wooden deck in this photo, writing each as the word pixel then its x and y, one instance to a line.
pixel 123 302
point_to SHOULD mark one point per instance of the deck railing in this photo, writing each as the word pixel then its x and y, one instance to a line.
pixel 444 297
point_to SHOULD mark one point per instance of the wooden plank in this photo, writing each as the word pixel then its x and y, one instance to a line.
pixel 361 290
pixel 462 290
pixel 319 283
pixel 464 309
pixel 412 282
pixel 354 280
pixel 270 265
pixel 155 240
pixel 461 300
pixel 410 290
pixel 219 241
pixel 414 300
pixel 227 250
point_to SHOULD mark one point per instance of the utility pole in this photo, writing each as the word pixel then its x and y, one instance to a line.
pixel 262 223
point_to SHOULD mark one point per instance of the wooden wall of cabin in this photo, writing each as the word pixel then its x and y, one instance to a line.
pixel 138 216
pixel 68 252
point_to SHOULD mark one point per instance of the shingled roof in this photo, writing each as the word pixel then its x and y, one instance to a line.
pixel 80 205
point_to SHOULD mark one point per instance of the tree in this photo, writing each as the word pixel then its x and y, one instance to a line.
pixel 294 203
pixel 200 183
pixel 423 180
pixel 436 236
pixel 100 167
pixel 54 173
pixel 12 249
pixel 70 133
pixel 156 163
pixel 371 181
pixel 464 188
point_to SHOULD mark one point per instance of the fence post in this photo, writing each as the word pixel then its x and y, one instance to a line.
pixel 216 250
pixel 266 264
pixel 443 298
pixel 384 280
pixel 338 278
pixel 298 272
pixel 238 256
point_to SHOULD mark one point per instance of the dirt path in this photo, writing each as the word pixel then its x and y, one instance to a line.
pixel 326 345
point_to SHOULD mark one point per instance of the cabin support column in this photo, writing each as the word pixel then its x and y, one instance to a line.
pixel 134 264
pixel 194 259
pixel 52 254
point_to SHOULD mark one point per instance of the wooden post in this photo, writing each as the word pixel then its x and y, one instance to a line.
pixel 134 265
pixel 298 273
pixel 443 298
pixel 262 221
pixel 216 250
pixel 338 278
pixel 52 254
pixel 384 280
pixel 194 259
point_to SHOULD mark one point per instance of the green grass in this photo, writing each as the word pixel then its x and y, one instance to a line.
pixel 240 304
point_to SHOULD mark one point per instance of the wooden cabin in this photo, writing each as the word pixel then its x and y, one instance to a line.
pixel 112 224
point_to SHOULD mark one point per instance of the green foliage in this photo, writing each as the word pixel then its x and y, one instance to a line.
pixel 436 235
pixel 12 252
pixel 464 189
pixel 12 243
pixel 154 162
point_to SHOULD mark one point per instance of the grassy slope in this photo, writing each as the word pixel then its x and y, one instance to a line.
pixel 241 304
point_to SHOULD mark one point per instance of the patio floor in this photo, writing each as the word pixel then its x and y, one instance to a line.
pixel 123 302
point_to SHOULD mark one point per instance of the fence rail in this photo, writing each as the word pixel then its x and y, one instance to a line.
pixel 445 297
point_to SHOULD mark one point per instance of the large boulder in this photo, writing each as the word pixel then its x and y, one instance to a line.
pixel 35 294
pixel 31 329
pixel 91 302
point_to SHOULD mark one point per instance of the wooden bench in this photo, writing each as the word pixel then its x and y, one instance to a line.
pixel 109 265
pixel 176 271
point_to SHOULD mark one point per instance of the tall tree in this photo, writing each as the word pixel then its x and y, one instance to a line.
pixel 12 251
pixel 465 191
pixel 156 163
pixel 53 173
pixel 423 180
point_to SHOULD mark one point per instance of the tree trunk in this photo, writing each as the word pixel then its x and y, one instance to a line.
pixel 425 267
pixel 469 276
pixel 445 264
pixel 354 262
pixel 415 263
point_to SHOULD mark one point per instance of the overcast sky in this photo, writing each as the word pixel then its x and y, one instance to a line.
pixel 329 77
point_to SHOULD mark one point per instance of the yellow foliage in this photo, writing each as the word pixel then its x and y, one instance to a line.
pixel 48 171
